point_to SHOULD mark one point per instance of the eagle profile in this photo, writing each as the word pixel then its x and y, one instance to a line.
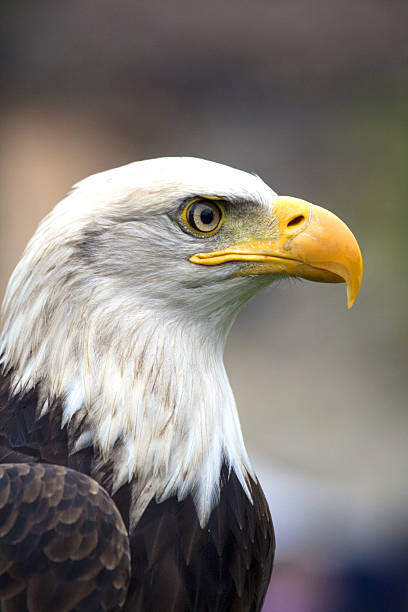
pixel 124 479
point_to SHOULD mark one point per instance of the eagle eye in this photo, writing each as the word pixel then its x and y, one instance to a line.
pixel 203 217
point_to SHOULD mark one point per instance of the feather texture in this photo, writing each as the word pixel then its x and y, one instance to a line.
pixel 63 543
pixel 175 563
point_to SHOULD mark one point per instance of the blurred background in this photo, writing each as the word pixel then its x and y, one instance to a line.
pixel 312 95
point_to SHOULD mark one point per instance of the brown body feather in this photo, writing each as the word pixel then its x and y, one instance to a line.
pixel 175 564
pixel 63 543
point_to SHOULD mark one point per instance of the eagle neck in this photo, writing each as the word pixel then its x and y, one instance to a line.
pixel 175 421
pixel 149 392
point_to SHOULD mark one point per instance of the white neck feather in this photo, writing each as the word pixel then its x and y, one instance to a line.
pixel 152 388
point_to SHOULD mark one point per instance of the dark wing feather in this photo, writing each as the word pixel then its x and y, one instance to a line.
pixel 63 544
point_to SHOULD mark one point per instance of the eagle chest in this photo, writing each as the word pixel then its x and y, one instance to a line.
pixel 177 565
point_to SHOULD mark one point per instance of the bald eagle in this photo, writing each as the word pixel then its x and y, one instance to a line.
pixel 124 479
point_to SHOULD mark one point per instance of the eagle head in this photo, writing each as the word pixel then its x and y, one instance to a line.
pixel 121 303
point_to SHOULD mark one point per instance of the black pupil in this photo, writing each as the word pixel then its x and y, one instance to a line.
pixel 207 215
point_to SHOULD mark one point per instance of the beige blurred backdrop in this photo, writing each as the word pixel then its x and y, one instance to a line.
pixel 312 96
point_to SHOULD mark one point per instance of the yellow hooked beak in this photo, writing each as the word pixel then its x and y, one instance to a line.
pixel 310 243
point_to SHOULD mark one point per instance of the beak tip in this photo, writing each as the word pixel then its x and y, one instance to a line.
pixel 353 289
pixel 354 278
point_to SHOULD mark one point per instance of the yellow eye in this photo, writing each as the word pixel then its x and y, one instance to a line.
pixel 203 217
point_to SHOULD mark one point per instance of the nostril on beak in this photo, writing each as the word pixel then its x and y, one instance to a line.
pixel 296 220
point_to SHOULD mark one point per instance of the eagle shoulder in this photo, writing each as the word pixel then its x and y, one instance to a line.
pixel 63 543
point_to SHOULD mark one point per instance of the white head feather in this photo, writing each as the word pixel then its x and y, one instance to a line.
pixel 106 312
